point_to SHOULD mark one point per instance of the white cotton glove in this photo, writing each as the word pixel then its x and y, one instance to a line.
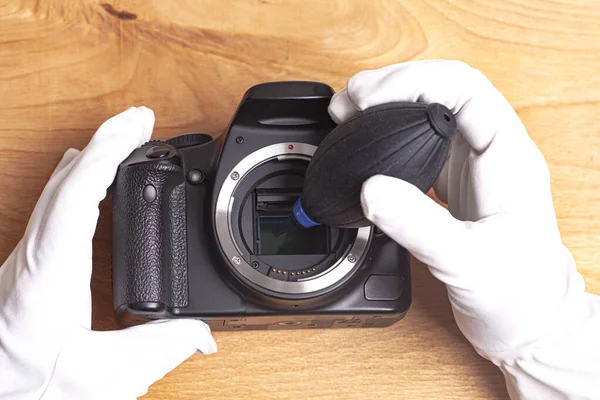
pixel 47 349
pixel 514 288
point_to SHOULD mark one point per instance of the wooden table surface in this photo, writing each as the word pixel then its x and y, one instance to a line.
pixel 66 66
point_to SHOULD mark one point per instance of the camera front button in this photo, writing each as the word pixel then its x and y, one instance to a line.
pixel 149 193
pixel 195 176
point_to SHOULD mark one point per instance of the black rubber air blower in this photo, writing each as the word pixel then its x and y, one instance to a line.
pixel 405 140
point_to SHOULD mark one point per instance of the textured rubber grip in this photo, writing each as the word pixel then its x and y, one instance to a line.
pixel 149 236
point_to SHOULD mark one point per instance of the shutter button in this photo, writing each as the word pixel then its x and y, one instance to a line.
pixel 160 151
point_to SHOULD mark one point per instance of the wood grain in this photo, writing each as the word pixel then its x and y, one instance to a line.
pixel 65 67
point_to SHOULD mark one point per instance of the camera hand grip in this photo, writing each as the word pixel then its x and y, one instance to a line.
pixel 149 239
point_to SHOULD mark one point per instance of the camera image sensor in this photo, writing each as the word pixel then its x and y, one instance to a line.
pixel 263 200
pixel 299 241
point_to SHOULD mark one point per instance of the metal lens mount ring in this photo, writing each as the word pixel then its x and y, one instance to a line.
pixel 223 223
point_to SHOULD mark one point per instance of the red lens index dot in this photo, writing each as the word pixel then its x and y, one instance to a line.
pixel 290 147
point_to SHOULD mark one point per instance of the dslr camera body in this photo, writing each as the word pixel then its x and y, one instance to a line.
pixel 193 222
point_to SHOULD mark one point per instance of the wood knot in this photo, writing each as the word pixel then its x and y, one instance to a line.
pixel 125 15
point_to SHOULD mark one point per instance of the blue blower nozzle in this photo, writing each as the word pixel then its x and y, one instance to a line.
pixel 300 215
pixel 298 219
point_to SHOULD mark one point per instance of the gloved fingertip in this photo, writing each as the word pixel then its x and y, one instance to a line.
pixel 67 158
pixel 209 345
pixel 70 154
pixel 375 195
pixel 127 130
pixel 145 113
pixel 341 107
pixel 359 92
pixel 189 332
pixel 148 119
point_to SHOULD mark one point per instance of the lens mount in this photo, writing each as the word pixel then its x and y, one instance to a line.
pixel 236 254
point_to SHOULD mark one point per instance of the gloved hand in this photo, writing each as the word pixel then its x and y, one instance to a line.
pixel 47 349
pixel 513 286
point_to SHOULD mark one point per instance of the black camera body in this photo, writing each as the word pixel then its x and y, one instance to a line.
pixel 193 222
